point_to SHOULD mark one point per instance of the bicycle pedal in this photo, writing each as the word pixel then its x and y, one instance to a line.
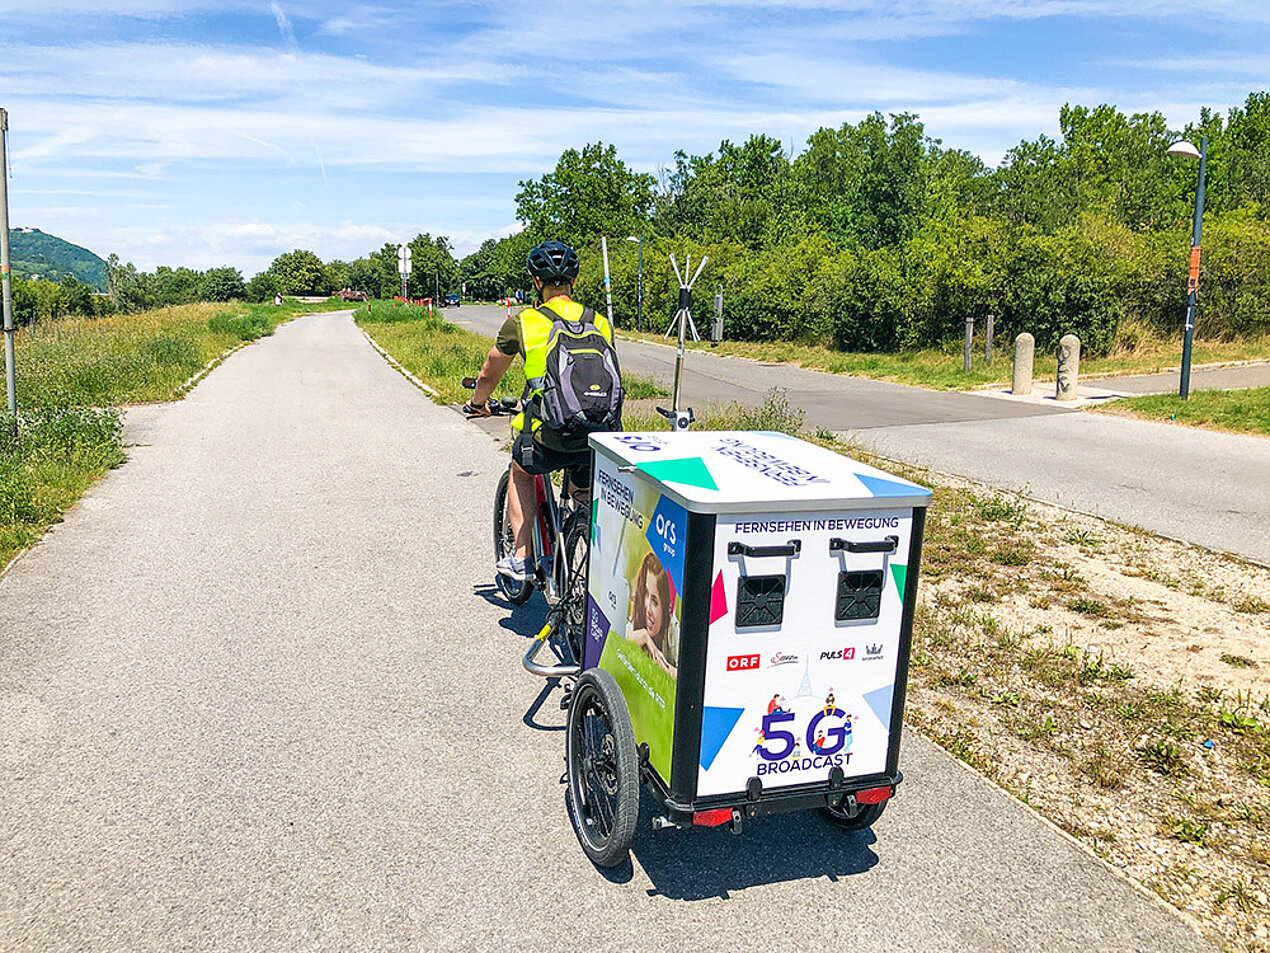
pixel 565 700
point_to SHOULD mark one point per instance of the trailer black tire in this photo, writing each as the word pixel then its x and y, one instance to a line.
pixel 517 592
pixel 603 769
pixel 867 816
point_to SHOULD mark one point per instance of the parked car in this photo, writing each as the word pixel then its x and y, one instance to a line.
pixel 452 301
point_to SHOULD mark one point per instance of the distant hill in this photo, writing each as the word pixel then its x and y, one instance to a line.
pixel 37 253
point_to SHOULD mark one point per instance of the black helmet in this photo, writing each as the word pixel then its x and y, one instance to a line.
pixel 554 262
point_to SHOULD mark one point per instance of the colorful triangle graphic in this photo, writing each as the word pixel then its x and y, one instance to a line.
pixel 899 573
pixel 879 701
pixel 716 726
pixel 718 600
pixel 879 487
pixel 690 471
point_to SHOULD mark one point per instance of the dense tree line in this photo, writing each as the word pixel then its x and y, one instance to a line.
pixel 877 237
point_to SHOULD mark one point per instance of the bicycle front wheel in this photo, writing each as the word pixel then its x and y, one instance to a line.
pixel 517 592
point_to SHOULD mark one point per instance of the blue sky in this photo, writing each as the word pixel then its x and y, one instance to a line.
pixel 201 133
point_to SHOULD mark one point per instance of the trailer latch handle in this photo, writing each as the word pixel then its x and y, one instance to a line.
pixel 888 545
pixel 792 548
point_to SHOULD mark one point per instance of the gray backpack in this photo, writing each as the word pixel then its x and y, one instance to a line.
pixel 581 388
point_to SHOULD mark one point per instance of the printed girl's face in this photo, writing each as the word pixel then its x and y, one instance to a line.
pixel 652 607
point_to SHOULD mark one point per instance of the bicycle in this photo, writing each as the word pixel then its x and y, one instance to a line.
pixel 559 545
pixel 602 796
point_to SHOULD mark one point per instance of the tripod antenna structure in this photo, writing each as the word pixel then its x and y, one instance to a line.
pixel 683 324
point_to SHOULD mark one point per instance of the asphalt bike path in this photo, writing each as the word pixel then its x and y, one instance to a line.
pixel 1196 485
pixel 257 692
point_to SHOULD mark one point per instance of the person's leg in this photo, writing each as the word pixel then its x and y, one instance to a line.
pixel 523 504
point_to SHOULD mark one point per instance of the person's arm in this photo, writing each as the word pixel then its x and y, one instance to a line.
pixel 492 371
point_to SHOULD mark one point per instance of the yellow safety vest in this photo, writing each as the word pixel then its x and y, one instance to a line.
pixel 535 339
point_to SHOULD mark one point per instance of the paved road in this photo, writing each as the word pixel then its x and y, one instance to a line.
pixel 1202 378
pixel 1205 487
pixel 256 693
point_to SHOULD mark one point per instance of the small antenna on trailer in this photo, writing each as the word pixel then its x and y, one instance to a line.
pixel 680 418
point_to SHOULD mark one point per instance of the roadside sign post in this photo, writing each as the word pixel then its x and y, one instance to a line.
pixel 717 332
pixel 608 283
pixel 10 367
pixel 639 281
pixel 403 267
pixel 970 337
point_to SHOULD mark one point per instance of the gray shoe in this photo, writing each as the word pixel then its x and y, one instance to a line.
pixel 515 567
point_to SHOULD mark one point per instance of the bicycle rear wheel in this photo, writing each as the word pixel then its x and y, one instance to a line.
pixel 577 550
pixel 603 793
pixel 517 592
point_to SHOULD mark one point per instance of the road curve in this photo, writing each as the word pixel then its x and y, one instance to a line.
pixel 257 693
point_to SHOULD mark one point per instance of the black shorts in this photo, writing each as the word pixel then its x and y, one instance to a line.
pixel 536 459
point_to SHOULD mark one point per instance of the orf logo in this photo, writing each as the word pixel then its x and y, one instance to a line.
pixel 742 663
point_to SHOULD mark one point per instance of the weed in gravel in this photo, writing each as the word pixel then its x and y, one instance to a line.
pixel 1240 893
pixel 1001 509
pixel 1007 698
pixel 1085 538
pixel 1208 695
pixel 1096 670
pixel 1039 730
pixel 1185 830
pixel 1162 757
pixel 1240 723
pixel 1128 712
pixel 1104 768
pixel 1251 604
pixel 1090 607
pixel 1013 554
pixel 1238 661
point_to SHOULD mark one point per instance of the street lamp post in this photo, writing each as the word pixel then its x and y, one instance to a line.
pixel 1184 148
pixel 639 283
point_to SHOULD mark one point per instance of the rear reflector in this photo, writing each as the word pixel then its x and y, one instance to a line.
pixel 873 795
pixel 712 818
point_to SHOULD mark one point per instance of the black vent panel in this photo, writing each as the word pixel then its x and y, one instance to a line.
pixel 859 595
pixel 760 601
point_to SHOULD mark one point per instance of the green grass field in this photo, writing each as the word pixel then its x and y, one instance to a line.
pixel 441 354
pixel 942 369
pixel 72 375
pixel 1238 411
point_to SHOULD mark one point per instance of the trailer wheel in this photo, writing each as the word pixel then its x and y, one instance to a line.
pixel 866 817
pixel 603 792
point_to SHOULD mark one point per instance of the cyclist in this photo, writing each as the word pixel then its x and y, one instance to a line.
pixel 553 265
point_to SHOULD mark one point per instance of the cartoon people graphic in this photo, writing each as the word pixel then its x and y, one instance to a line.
pixel 797 752
pixel 758 745
pixel 829 702
pixel 777 704
pixel 846 728
pixel 818 746
pixel 652 607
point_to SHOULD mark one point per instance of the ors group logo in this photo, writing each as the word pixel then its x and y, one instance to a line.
pixel 844 655
pixel 743 663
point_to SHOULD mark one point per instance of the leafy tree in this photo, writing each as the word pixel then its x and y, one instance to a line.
pixel 865 183
pixel 589 194
pixel 222 284
pixel 300 272
pixel 127 287
pixel 174 286
pixel 263 286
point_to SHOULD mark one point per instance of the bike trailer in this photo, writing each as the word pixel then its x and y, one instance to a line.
pixel 752 595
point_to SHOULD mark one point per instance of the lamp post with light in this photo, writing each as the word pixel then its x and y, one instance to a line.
pixel 639 283
pixel 1186 149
